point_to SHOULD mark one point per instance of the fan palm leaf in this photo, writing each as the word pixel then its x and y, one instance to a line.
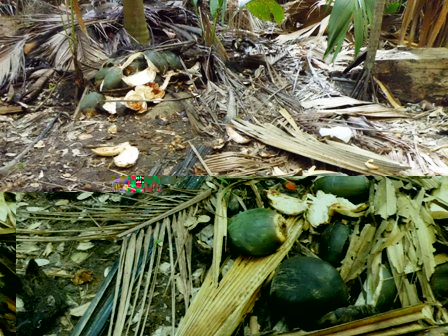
pixel 12 59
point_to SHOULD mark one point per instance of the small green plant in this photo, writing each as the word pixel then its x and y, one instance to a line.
pixel 217 7
pixel 70 29
pixel 392 7
pixel 266 10
pixel 223 181
pixel 21 166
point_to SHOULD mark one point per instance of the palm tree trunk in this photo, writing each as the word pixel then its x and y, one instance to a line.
pixel 361 88
pixel 135 21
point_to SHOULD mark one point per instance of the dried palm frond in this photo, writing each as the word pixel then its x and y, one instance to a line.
pixel 218 309
pixel 136 273
pixel 51 36
pixel 57 50
pixel 12 58
pixel 8 8
pixel 50 39
pixel 60 38
pixel 428 23
pixel 244 164
pixel 160 207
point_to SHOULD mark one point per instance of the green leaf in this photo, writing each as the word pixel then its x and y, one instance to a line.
pixel 223 11
pixel 214 7
pixel 360 28
pixel 344 12
pixel 84 195
pixel 392 8
pixel 266 10
pixel 370 5
pixel 340 19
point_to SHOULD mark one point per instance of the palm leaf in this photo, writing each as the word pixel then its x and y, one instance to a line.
pixel 56 33
pixel 12 58
pixel 344 12
pixel 340 19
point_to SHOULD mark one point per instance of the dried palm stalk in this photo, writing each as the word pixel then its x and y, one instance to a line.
pixel 218 310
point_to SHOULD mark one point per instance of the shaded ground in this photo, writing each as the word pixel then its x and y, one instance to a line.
pixel 59 264
pixel 8 283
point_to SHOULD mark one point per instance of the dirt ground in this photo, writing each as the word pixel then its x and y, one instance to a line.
pixel 63 160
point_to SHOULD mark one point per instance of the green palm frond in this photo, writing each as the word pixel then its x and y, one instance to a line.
pixel 344 14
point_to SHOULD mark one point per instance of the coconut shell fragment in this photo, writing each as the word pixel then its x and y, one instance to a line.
pixel 257 232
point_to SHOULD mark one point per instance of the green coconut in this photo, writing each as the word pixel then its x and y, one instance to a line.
pixel 334 243
pixel 257 232
pixel 91 101
pixel 173 60
pixel 113 79
pixel 164 60
pixel 101 73
pixel 306 288
pixel 388 290
pixel 439 283
pixel 354 188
